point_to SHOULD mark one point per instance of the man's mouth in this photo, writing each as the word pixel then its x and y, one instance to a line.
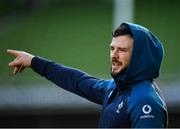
pixel 116 64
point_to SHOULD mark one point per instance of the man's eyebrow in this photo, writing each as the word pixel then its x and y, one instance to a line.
pixel 124 48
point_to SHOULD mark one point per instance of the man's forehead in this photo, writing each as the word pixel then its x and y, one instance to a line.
pixel 122 41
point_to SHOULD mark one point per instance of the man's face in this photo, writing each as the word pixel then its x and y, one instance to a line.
pixel 120 53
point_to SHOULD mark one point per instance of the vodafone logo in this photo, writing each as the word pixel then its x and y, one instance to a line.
pixel 146 109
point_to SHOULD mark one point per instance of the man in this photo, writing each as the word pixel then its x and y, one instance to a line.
pixel 131 99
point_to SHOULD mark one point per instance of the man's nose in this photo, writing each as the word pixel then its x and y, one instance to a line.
pixel 114 54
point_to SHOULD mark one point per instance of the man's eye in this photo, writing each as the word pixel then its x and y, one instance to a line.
pixel 111 48
pixel 123 50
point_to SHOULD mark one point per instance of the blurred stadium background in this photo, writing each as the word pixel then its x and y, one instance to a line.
pixel 77 33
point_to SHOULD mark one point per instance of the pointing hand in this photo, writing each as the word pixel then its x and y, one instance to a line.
pixel 22 60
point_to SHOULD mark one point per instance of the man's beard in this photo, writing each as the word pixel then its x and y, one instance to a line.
pixel 122 71
pixel 118 73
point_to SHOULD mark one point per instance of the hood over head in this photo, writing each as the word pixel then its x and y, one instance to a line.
pixel 146 56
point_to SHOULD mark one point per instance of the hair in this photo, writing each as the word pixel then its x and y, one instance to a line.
pixel 123 29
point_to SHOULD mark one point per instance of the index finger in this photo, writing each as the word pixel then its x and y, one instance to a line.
pixel 13 52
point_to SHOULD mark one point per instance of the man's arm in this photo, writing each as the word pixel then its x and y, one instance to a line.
pixel 70 79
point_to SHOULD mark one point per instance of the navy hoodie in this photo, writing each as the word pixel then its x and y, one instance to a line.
pixel 129 100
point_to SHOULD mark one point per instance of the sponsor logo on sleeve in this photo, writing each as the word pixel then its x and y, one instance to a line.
pixel 146 109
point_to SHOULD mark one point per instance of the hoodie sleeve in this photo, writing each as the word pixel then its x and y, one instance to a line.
pixel 71 79
pixel 147 113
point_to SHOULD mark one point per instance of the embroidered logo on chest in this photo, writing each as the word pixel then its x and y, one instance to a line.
pixel 119 107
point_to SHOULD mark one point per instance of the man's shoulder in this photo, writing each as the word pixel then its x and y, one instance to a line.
pixel 110 84
pixel 142 92
pixel 106 84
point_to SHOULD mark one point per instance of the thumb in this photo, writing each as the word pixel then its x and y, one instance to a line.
pixel 16 62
